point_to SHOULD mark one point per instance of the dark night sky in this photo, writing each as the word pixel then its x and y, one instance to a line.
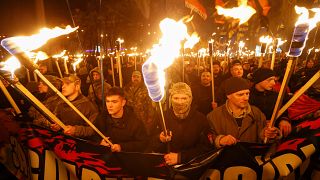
pixel 18 17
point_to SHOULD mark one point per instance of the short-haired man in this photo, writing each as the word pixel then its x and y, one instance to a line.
pixel 125 130
pixel 263 96
pixel 76 126
pixel 236 71
pixel 237 120
pixel 202 93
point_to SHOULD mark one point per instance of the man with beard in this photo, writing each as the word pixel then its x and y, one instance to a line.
pixel 95 89
pixel 137 97
pixel 187 128
pixel 237 120
pixel 203 93
pixel 120 124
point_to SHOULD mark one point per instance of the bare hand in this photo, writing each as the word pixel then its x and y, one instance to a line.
pixel 55 127
pixel 70 130
pixel 171 158
pixel 165 138
pixel 285 127
pixel 104 143
pixel 271 132
pixel 214 105
pixel 228 140
pixel 116 148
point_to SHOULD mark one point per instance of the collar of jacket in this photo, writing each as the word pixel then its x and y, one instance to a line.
pixel 244 113
pixel 123 121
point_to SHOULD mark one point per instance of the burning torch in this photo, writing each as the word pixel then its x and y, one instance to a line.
pixel 20 46
pixel 300 35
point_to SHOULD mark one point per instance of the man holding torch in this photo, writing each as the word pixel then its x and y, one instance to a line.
pixel 187 128
pixel 237 120
pixel 75 125
pixel 125 130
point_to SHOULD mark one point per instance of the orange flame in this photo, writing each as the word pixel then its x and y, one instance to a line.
pixel 10 64
pixel 243 12
pixel 60 54
pixel 29 43
pixel 304 17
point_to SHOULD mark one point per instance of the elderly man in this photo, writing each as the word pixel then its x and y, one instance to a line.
pixel 187 128
pixel 124 129
pixel 237 120
pixel 137 97
pixel 76 126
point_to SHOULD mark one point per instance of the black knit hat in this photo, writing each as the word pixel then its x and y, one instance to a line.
pixel 262 74
pixel 235 84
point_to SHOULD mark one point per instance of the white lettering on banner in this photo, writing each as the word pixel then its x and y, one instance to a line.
pixel 72 170
pixel 88 174
pixel 34 163
pixel 211 174
pixel 19 158
pixel 281 165
pixel 236 171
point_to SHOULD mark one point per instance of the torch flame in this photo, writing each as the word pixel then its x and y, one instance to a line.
pixel 60 54
pixel 304 17
pixel 265 39
pixel 280 42
pixel 243 12
pixel 191 41
pixel 29 43
pixel 168 49
pixel 78 61
pixel 10 64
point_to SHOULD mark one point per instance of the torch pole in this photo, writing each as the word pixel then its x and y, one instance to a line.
pixel 58 67
pixel 119 67
pixel 302 90
pixel 163 121
pixel 38 103
pixel 164 126
pixel 282 91
pixel 198 64
pixel 183 63
pixel 35 77
pixel 274 51
pixel 211 65
pixel 135 62
pixel 72 106
pixel 10 99
pixel 112 69
pixel 66 67
pixel 28 75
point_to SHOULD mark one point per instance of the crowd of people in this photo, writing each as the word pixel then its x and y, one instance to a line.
pixel 195 120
